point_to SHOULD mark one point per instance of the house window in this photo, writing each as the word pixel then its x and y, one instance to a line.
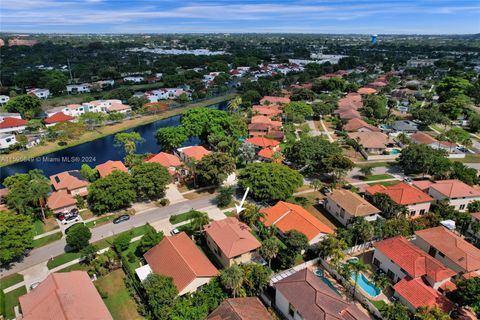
pixel 390 274
pixel 432 251
pixel 291 310
pixel 412 213
pixel 462 207
pixel 422 212
pixel 441 254
pixel 376 262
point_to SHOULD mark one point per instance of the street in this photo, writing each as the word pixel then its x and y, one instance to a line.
pixel 148 216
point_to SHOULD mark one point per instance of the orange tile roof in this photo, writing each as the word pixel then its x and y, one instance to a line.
pixel 178 257
pixel 118 107
pixel 418 294
pixel 288 216
pixel 376 140
pixel 166 159
pixel 195 152
pixel 357 123
pixel 401 193
pixel 350 101
pixel 352 203
pixel 10 122
pixel 60 199
pixel 232 237
pixel 266 110
pixel 265 120
pixel 366 90
pixel 476 215
pixel 69 180
pixel 459 251
pixel 249 308
pixel 449 188
pixel 266 153
pixel 273 99
pixel 58 117
pixel 263 142
pixel 412 259
pixel 423 138
pixel 64 296
pixel 106 168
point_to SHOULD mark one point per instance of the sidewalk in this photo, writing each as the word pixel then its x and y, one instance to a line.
pixel 325 131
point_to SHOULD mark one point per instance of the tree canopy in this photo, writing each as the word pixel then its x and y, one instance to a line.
pixel 214 168
pixel 16 236
pixel 78 236
pixel 160 292
pixel 113 192
pixel 150 180
pixel 28 106
pixel 171 137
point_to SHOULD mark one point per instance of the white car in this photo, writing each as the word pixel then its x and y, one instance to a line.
pixel 174 231
pixel 70 220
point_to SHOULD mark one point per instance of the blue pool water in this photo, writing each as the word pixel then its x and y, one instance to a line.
pixel 395 151
pixel 366 285
pixel 319 273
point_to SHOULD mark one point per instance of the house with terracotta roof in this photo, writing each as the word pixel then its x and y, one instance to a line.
pixel 64 296
pixel 414 293
pixel 288 216
pixel 119 107
pixel 417 202
pixel 426 139
pixel 262 142
pixel 458 193
pixel 12 125
pixel 231 241
pixel 178 257
pixel 265 130
pixel 56 118
pixel 359 125
pixel 61 201
pixel 265 148
pixel 303 295
pixel 170 161
pixel 450 249
pixel 399 258
pixel 270 111
pixel 348 114
pixel 195 153
pixel 372 142
pixel 266 120
pixel 248 308
pixel 352 101
pixel 366 90
pixel 266 100
pixel 71 181
pixel 108 167
pixel 345 205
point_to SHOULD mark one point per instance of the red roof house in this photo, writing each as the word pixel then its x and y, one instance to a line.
pixel 272 100
pixel 288 216
pixel 10 124
pixel 64 296
pixel 168 160
pixel 366 90
pixel 57 118
pixel 357 124
pixel 262 142
pixel 106 168
pixel 72 181
pixel 61 201
pixel 194 152
pixel 249 308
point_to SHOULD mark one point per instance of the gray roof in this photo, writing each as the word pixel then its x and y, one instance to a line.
pixel 7 114
pixel 404 125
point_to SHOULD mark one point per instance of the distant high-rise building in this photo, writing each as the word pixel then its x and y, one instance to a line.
pixel 374 39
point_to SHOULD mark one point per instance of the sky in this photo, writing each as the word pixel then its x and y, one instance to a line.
pixel 250 16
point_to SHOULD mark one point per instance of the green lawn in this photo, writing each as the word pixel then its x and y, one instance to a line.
pixel 10 280
pixel 177 218
pixel 37 227
pixel 102 220
pixel 132 263
pixel 377 177
pixel 117 298
pixel 46 240
pixel 376 164
pixel 62 259
pixel 384 183
pixel 75 267
pixel 379 304
pixel 469 158
pixel 10 300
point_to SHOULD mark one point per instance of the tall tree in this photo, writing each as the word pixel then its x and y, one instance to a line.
pixel 78 236
pixel 199 219
pixel 16 236
pixel 214 168
pixel 28 106
pixel 232 278
pixel 160 292
pixel 171 137
pixel 356 269
pixel 269 249
pixel 128 141
pixel 113 192
pixel 150 180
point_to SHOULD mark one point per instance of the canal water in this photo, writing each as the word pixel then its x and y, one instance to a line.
pixel 97 151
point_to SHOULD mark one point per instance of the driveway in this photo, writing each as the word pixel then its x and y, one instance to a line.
pixel 173 195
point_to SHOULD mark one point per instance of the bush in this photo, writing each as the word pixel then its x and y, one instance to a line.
pixel 78 236
pixel 164 202
pixel 131 257
pixel 224 196
pixel 122 242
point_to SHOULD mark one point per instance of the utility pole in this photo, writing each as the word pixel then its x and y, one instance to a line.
pixel 70 70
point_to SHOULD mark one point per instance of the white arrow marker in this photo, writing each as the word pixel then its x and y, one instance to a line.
pixel 240 207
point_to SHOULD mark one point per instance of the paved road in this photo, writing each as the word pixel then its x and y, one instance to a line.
pixel 58 247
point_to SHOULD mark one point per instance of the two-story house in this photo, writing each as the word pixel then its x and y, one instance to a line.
pixel 345 205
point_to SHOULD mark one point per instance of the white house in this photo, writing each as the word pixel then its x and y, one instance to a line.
pixel 134 79
pixel 4 115
pixel 4 99
pixel 78 88
pixel 7 140
pixel 12 125
pixel 40 93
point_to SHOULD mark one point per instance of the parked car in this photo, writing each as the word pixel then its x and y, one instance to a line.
pixel 34 285
pixel 174 231
pixel 325 190
pixel 121 218
pixel 407 179
pixel 70 219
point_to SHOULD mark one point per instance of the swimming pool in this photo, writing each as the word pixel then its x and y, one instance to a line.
pixel 319 273
pixel 366 285
pixel 395 151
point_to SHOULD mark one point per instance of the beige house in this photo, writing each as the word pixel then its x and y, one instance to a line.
pixel 231 241
pixel 372 142
pixel 345 205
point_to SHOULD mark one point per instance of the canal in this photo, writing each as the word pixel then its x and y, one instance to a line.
pixel 97 151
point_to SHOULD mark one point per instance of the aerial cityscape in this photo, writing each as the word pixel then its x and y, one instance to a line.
pixel 239 160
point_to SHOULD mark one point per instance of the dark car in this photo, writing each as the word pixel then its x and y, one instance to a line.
pixel 325 190
pixel 121 218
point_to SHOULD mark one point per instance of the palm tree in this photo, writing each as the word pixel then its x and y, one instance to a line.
pixel 356 268
pixel 234 103
pixel 39 189
pixel 232 278
pixel 251 214
pixel 199 219
pixel 333 248
pixel 381 281
pixel 269 249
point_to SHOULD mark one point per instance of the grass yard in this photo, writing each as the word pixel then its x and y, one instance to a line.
pixel 10 300
pixel 86 214
pixel 379 304
pixel 118 300
pixel 62 259
pixel 10 281
pixel 177 218
pixel 132 263
pixel 46 240
pixel 377 177
pixel 198 194
pixel 75 267
pixel 384 183
pixel 469 158
pixel 39 227
pixel 375 164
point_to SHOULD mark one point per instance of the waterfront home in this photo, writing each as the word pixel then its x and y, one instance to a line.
pixel 399 258
pixel 57 118
pixel 134 79
pixel 169 161
pixel 270 111
pixel 7 140
pixel 119 107
pixel 71 181
pixel 108 167
pixel 372 142
pixel 64 296
pixel 4 99
pixel 345 205
pixel 457 193
pixel 195 153
pixel 450 249
pixel 414 293
pixel 78 88
pixel 417 202
pixel 178 257
pixel 12 125
pixel 262 142
pixel 39 93
pixel 248 308
pixel 303 295
pixel 61 201
pixel 231 241
pixel 288 216
pixel 359 125
pixel 265 129
pixel 266 100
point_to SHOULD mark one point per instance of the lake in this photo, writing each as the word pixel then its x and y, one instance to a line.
pixel 97 151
